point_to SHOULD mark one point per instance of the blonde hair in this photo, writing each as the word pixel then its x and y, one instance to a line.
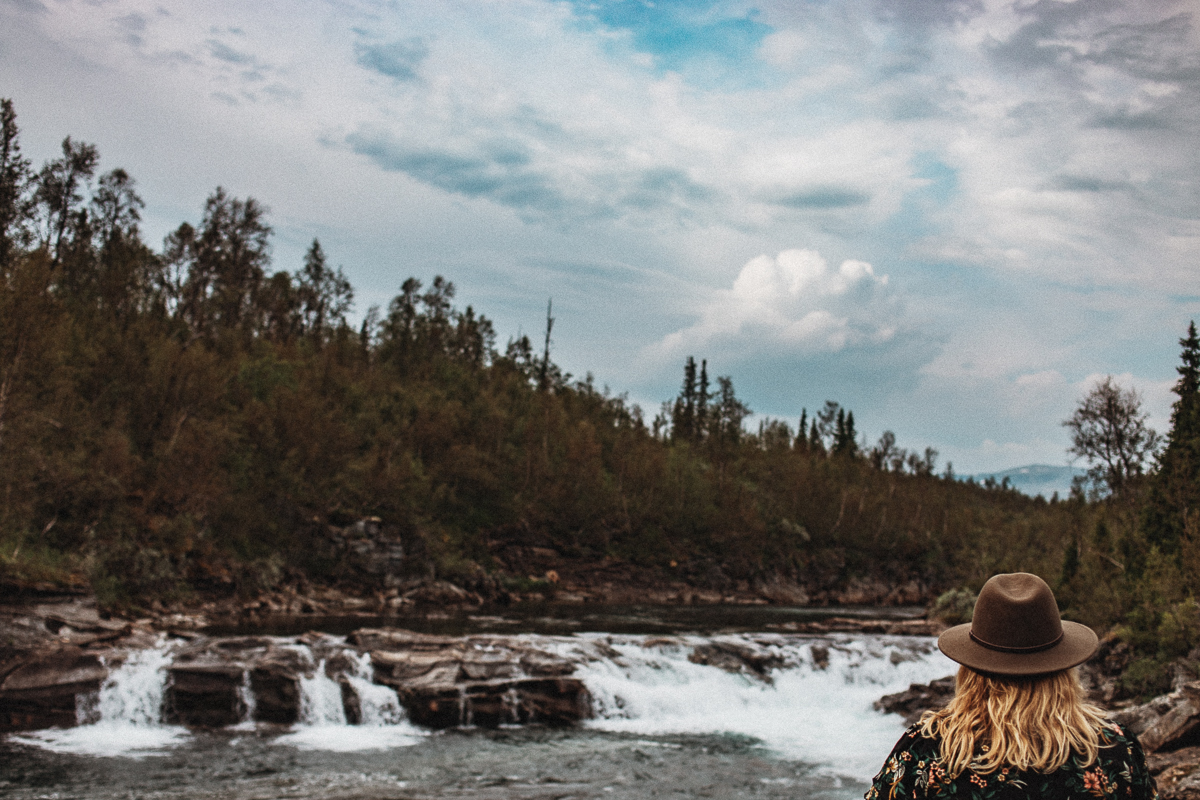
pixel 1033 723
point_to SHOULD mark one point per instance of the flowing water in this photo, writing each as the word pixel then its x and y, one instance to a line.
pixel 662 726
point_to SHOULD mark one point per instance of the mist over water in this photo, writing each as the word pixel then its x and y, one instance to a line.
pixel 661 721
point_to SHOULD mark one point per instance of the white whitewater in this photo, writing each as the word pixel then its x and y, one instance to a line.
pixel 814 708
pixel 124 718
pixel 323 723
pixel 811 712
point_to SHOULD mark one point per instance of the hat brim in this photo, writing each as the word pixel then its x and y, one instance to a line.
pixel 1078 644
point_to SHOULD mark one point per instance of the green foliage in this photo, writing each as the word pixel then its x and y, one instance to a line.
pixel 1179 629
pixel 1172 508
pixel 1146 677
pixel 954 607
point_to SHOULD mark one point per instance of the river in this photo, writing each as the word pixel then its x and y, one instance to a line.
pixel 662 726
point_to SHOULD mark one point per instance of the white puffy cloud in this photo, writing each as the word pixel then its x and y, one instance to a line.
pixel 792 303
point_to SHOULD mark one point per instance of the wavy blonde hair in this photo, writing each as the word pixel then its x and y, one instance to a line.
pixel 1033 723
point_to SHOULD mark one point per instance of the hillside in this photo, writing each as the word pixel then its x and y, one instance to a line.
pixel 192 423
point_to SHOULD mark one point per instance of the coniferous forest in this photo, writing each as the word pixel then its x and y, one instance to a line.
pixel 193 419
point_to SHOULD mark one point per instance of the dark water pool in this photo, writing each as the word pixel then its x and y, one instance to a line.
pixel 485 765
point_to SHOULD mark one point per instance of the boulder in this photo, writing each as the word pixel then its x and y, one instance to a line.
pixel 276 690
pixel 1166 722
pixel 917 699
pixel 40 691
pixel 207 696
pixel 1177 773
pixel 737 655
pixel 549 701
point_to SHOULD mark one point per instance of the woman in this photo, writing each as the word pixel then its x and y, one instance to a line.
pixel 1018 726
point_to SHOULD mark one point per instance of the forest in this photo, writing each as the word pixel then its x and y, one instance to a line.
pixel 191 420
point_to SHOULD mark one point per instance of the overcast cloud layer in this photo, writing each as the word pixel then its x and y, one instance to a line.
pixel 951 217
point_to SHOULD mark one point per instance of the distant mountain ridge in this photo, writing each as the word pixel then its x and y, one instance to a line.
pixel 1036 479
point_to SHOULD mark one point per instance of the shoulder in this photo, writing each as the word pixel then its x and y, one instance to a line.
pixel 1121 763
pixel 1117 741
pixel 915 735
pixel 916 742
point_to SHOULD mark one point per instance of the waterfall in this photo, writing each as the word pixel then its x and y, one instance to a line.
pixel 247 699
pixel 803 698
pixel 379 704
pixel 321 699
pixel 124 718
pixel 323 724
pixel 815 706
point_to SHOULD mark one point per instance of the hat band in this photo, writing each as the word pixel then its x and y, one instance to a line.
pixel 1037 648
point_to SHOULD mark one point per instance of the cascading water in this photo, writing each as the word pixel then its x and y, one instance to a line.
pixel 323 723
pixel 809 702
pixel 320 699
pixel 815 707
pixel 378 704
pixel 125 717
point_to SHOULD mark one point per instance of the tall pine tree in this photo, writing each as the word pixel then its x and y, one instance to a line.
pixel 1173 507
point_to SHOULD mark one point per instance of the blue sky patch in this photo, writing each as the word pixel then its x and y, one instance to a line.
pixel 686 36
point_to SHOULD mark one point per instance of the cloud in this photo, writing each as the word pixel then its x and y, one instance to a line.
pixel 397 60
pixel 794 301
pixel 823 197
pixel 224 52
pixel 500 171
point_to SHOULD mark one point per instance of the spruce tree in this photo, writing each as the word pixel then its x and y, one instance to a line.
pixel 683 416
pixel 1174 497
pixel 14 179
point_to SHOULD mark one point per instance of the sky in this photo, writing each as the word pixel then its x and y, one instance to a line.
pixel 951 217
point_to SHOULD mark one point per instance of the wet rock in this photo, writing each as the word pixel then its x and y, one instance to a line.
pixel 275 685
pixel 398 639
pixel 917 699
pixel 737 656
pixel 40 691
pixel 205 696
pixel 549 701
pixel 484 681
pixel 820 656
pixel 543 666
pixel 395 669
pixel 490 667
pixel 351 702
pixel 78 617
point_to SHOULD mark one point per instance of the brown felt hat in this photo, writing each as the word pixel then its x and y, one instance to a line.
pixel 1016 630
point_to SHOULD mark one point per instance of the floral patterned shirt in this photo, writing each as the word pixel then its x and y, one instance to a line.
pixel 913 772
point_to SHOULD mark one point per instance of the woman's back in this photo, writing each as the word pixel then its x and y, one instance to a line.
pixel 915 770
pixel 1018 726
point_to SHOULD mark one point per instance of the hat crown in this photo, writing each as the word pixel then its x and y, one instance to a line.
pixel 1016 613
